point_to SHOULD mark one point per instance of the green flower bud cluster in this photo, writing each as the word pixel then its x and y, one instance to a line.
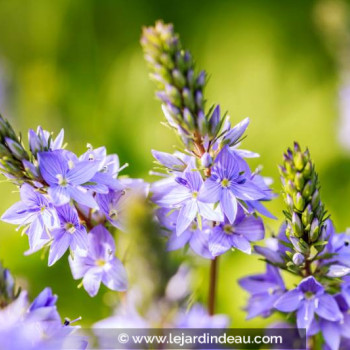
pixel 305 212
pixel 12 152
pixel 179 87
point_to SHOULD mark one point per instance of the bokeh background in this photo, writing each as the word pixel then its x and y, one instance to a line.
pixel 78 65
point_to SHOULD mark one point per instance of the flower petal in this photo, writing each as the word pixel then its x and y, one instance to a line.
pixel 219 242
pixel 251 228
pixel 114 276
pixel 59 194
pixel 59 245
pixel 52 164
pixel 92 281
pixel 290 301
pixel 82 196
pixel 328 308
pixel 241 243
pixel 305 314
pixel 210 191
pixel 82 172
pixel 208 212
pixel 186 215
pixel 229 205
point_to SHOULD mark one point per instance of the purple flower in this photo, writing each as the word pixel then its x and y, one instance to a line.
pixel 265 290
pixel 100 265
pixel 71 234
pixel 42 140
pixel 183 194
pixel 198 317
pixel 196 238
pixel 108 167
pixel 35 211
pixel 306 300
pixel 66 177
pixel 245 229
pixel 229 181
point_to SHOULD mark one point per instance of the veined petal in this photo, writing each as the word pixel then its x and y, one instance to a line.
pixel 331 334
pixel 194 177
pixel 169 160
pixel 229 205
pixel 328 308
pixel 79 266
pixel 290 301
pixel 241 243
pixel 199 244
pixel 82 172
pixel 17 214
pixel 208 212
pixel 92 280
pixel 114 276
pixel 172 197
pixel 82 196
pixel 305 314
pixel 247 191
pixel 210 191
pixel 251 228
pixel 269 254
pixel 59 194
pixel 219 242
pixel 80 242
pixel 57 144
pixel 59 245
pixel 52 164
pixel 186 215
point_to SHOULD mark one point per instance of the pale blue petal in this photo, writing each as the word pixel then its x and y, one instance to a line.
pixel 210 191
pixel 59 195
pixel 52 164
pixel 229 205
pixel 82 196
pixel 331 334
pixel 208 212
pixel 247 191
pixel 82 172
pixel 17 214
pixel 305 314
pixel 114 276
pixel 199 244
pixel 80 242
pixel 219 242
pixel 327 308
pixel 186 215
pixel 241 243
pixel 92 281
pixel 59 245
pixel 251 228
pixel 176 242
pixel 290 301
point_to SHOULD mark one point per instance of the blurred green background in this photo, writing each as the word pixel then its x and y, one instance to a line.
pixel 78 65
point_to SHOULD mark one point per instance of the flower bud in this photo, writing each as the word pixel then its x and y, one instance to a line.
pixel 307 215
pixel 297 225
pixel 206 160
pixel 299 181
pixel 298 259
pixel 299 201
pixel 314 230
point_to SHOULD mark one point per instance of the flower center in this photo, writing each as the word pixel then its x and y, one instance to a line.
pixel 62 181
pixel 113 213
pixel 43 208
pixel 100 262
pixel 225 183
pixel 228 229
pixel 70 227
pixel 309 295
pixel 195 194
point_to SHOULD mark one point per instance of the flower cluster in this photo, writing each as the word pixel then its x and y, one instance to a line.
pixel 35 326
pixel 209 196
pixel 69 202
pixel 306 246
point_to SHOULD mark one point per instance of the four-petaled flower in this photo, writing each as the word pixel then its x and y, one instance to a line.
pixel 100 265
pixel 71 234
pixel 308 299
pixel 66 177
pixel 230 181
